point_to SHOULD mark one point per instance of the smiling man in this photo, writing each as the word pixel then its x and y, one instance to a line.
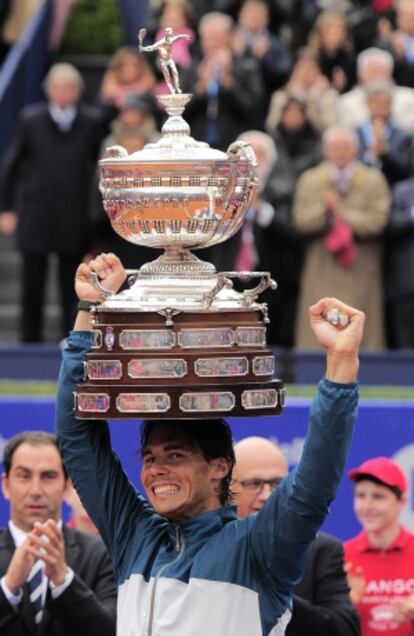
pixel 184 563
pixel 186 466
pixel 380 560
pixel 46 569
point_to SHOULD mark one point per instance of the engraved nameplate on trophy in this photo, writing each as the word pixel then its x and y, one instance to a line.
pixel 212 402
pixel 156 368
pixel 263 365
pixel 221 367
pixel 92 402
pixel 206 338
pixel 137 340
pixel 104 370
pixel 143 403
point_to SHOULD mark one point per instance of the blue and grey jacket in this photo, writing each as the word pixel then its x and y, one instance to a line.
pixel 211 574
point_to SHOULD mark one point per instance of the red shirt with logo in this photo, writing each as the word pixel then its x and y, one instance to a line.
pixel 389 574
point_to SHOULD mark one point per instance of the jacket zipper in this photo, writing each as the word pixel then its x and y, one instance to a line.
pixel 179 548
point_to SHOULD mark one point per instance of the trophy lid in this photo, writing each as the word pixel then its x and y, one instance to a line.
pixel 175 143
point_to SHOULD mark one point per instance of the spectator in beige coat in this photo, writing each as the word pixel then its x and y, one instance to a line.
pixel 342 206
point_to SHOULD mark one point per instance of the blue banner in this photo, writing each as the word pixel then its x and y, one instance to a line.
pixel 384 428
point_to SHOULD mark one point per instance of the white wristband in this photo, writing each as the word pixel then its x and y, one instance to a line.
pixel 14 599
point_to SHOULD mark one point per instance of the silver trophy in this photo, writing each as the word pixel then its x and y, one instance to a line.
pixel 179 194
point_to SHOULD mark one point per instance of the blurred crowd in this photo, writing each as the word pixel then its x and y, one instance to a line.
pixel 324 92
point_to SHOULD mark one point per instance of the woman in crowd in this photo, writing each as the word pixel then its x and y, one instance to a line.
pixel 128 72
pixel 331 41
pixel 309 84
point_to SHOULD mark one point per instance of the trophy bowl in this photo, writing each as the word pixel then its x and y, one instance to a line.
pixel 178 193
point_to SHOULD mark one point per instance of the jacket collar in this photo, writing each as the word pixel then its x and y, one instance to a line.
pixel 6 540
pixel 202 526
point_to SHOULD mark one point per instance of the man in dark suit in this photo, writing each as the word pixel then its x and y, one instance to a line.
pixel 47 177
pixel 399 270
pixel 321 602
pixel 383 144
pixel 227 88
pixel 54 580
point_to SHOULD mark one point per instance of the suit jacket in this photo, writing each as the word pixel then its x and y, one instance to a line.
pixel 239 106
pixel 397 162
pixel 47 176
pixel 399 270
pixel 87 607
pixel 321 603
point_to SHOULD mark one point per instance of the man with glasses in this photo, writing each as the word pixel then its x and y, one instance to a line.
pixel 321 602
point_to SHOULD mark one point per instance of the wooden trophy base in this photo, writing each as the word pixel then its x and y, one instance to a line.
pixel 206 364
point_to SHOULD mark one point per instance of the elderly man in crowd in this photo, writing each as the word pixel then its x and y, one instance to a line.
pixel 375 65
pixel 44 192
pixel 342 206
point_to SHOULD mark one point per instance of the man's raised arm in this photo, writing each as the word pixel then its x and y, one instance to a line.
pixel 106 492
pixel 287 524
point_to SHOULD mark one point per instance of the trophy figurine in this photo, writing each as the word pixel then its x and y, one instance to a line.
pixel 180 342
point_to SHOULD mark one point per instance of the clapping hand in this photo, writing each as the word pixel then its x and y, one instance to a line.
pixel 47 543
pixel 403 609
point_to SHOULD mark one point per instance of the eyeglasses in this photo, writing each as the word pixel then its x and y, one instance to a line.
pixel 256 485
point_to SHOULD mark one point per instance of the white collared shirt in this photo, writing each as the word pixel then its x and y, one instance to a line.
pixel 19 536
pixel 63 117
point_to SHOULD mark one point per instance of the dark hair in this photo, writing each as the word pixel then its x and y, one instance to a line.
pixel 212 437
pixel 367 477
pixel 292 98
pixel 34 438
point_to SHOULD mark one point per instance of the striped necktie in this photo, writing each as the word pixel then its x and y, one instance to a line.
pixel 35 583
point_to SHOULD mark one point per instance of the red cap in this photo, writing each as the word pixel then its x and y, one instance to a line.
pixel 383 469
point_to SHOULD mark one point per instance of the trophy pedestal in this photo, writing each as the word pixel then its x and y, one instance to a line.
pixel 178 364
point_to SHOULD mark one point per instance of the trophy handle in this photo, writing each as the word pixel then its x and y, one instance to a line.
pixel 250 295
pixel 115 152
pixel 242 148
pixel 242 183
pixel 208 297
